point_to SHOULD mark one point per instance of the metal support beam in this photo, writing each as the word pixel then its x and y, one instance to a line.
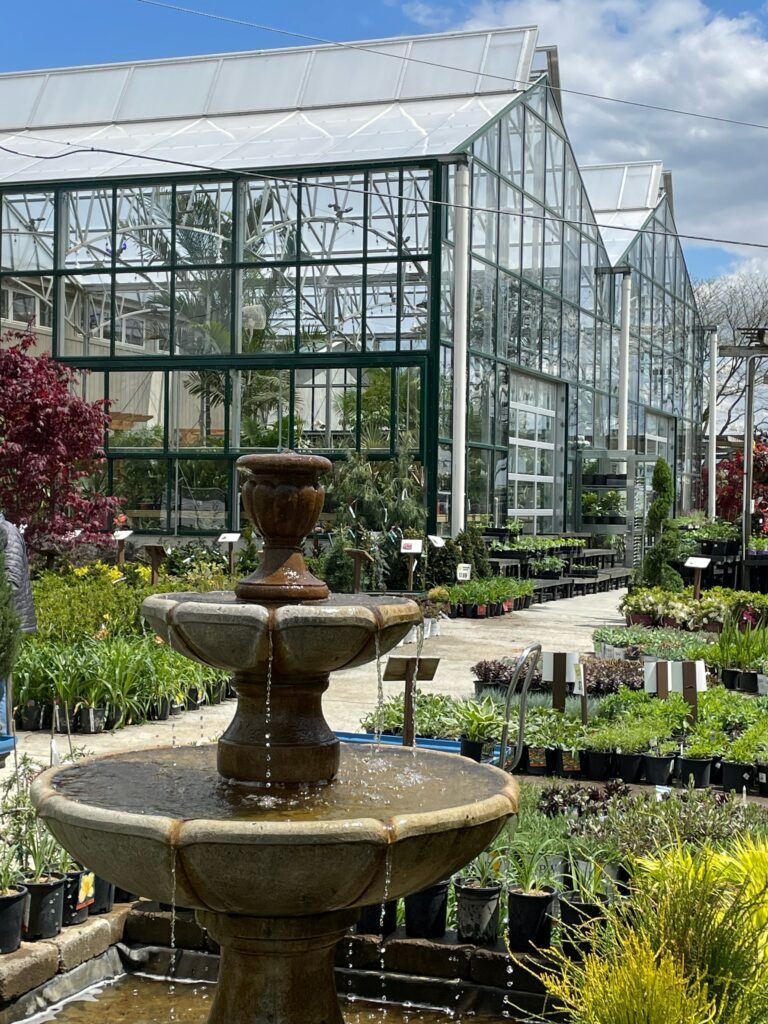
pixel 712 449
pixel 623 410
pixel 460 343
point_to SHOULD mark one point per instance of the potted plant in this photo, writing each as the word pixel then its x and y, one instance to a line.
pixel 589 475
pixel 584 903
pixel 478 894
pixel 550 567
pixel 78 889
pixel 476 724
pixel 13 897
pixel 659 762
pixel 45 910
pixel 491 674
pixel 426 912
pixel 612 507
pixel 590 506
pixel 739 764
pixel 530 894
pixel 702 747
pixel 599 746
pixel 631 743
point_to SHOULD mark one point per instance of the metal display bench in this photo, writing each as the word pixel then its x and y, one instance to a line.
pixel 623 471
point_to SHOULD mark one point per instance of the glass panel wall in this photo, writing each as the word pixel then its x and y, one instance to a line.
pixel 230 315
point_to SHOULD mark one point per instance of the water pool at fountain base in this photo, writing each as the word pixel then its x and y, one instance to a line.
pixel 138 1000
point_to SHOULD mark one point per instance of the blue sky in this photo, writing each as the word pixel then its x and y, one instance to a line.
pixel 681 52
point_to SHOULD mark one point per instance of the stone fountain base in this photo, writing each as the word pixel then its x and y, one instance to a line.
pixel 277 970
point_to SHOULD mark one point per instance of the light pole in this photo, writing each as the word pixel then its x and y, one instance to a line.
pixel 623 368
pixel 711 330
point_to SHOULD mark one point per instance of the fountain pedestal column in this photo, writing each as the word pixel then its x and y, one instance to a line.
pixel 276 970
pixel 290 742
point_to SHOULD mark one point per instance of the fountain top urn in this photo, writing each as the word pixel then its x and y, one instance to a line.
pixel 283 500
pixel 281 633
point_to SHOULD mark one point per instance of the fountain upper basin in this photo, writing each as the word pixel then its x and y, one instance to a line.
pixel 308 639
pixel 162 824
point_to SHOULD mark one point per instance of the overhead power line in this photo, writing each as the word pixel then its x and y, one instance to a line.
pixel 245 23
pixel 76 148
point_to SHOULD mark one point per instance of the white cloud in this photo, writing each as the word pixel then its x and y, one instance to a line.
pixel 426 15
pixel 678 53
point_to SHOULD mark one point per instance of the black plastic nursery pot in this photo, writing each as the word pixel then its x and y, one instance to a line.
pixel 658 770
pixel 747 682
pixel 575 915
pixel 472 749
pixel 737 776
pixel 761 778
pixel 600 765
pixel 568 764
pixel 63 722
pixel 530 919
pixel 103 896
pixel 697 770
pixel 45 908
pixel 11 918
pixel 477 913
pixel 373 922
pixel 34 717
pixel 426 912
pixel 537 761
pixel 629 767
pixel 91 720
pixel 159 711
pixel 78 897
pixel 124 896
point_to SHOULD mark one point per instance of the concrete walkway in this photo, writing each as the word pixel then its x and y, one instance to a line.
pixel 558 625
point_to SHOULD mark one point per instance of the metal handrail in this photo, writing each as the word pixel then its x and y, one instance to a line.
pixel 531 655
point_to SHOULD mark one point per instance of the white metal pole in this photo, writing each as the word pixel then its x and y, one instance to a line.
pixel 623 410
pixel 712 450
pixel 460 323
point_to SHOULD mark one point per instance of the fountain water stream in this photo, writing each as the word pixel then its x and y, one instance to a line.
pixel 278 834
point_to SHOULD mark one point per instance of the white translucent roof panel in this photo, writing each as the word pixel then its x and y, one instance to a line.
pixel 618 230
pixel 623 186
pixel 379 71
pixel 331 135
pixel 623 196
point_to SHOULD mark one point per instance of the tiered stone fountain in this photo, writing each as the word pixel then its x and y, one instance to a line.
pixel 278 833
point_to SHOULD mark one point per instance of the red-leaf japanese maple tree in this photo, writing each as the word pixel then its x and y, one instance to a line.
pixel 51 448
pixel 729 481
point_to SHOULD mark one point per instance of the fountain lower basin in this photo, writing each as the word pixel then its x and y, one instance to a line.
pixel 162 823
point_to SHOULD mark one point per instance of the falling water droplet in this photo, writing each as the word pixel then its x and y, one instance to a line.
pixel 379 688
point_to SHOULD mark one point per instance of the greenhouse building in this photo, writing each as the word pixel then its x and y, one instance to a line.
pixel 383 247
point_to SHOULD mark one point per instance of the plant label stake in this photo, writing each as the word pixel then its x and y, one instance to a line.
pixel 690 686
pixel 156 553
pixel 580 690
pixel 121 536
pixel 358 557
pixel 411 671
pixel 559 669
pixel 698 565
pixel 230 539
pixel 463 572
pixel 411 548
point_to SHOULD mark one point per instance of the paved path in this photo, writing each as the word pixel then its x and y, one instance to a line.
pixel 557 625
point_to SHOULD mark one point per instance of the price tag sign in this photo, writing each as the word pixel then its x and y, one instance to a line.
pixel 463 572
pixel 409 546
pixel 697 562
pixel 578 680
pixel 122 534
pixel 229 538
pixel 435 541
